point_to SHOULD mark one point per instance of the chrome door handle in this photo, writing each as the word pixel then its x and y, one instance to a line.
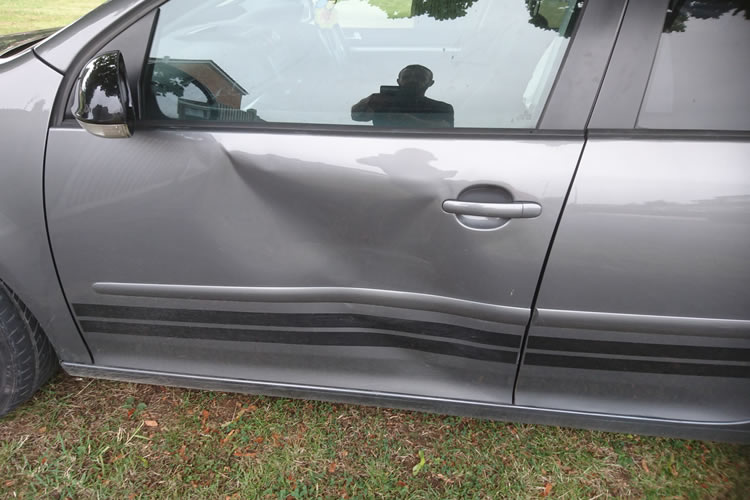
pixel 520 210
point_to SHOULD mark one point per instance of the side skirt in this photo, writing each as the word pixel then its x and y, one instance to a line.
pixel 736 432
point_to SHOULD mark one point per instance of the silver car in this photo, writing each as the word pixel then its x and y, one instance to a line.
pixel 532 210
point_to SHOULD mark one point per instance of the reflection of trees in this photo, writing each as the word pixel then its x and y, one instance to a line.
pixel 551 14
pixel 545 14
pixel 105 76
pixel 101 113
pixel 437 9
pixel 680 11
pixel 441 9
pixel 167 80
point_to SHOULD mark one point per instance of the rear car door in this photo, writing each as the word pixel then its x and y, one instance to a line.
pixel 644 309
pixel 251 229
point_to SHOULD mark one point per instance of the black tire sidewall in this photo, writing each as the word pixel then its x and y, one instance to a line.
pixel 26 356
pixel 8 370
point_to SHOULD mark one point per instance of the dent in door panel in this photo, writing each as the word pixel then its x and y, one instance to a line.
pixel 349 221
pixel 325 211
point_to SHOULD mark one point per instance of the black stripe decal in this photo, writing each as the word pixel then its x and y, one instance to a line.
pixel 326 320
pixel 635 365
pixel 639 349
pixel 336 338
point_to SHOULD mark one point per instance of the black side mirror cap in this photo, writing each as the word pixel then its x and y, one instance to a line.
pixel 102 102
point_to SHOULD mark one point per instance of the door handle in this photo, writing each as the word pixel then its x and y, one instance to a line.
pixel 519 210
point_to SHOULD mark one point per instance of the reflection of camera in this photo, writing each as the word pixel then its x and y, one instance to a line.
pixel 399 93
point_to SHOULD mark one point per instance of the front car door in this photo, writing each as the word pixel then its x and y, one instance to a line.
pixel 259 227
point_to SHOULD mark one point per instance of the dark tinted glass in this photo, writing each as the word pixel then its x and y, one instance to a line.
pixel 701 74
pixel 382 63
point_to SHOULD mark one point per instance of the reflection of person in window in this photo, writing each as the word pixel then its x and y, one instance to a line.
pixel 405 106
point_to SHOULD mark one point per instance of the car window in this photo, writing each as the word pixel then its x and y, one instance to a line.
pixel 701 73
pixel 382 63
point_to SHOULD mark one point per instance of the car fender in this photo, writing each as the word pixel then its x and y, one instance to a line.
pixel 27 92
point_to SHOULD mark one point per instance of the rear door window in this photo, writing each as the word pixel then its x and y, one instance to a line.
pixel 701 75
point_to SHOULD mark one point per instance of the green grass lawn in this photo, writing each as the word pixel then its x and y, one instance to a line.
pixel 28 15
pixel 82 438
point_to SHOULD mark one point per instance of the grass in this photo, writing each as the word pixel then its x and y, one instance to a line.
pixel 28 15
pixel 96 439
pixel 82 438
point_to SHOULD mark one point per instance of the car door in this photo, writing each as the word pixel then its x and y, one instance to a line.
pixel 644 308
pixel 252 230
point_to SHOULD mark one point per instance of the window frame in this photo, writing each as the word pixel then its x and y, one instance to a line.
pixel 566 111
pixel 623 92
pixel 721 131
pixel 625 83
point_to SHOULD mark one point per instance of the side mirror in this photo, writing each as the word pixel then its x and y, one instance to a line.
pixel 102 101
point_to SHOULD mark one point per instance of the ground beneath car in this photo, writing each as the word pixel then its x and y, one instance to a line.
pixel 83 438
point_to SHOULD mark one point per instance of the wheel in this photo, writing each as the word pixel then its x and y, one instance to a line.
pixel 27 359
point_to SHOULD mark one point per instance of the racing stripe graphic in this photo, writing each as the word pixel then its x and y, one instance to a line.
pixel 318 329
pixel 621 356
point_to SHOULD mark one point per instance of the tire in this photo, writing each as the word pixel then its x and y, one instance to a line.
pixel 27 359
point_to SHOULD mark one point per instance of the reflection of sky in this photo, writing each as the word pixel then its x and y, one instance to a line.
pixel 298 68
pixel 701 77
pixel 617 172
